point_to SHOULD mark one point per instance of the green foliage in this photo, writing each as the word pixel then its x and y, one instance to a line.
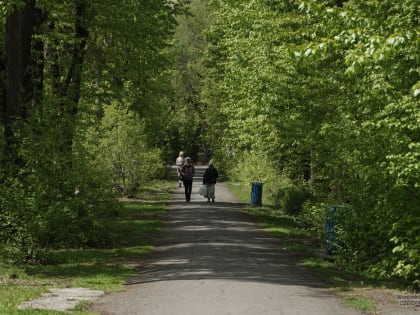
pixel 251 82
pixel 294 94
pixel 129 226
pixel 291 199
pixel 330 94
pixel 363 304
pixel 279 189
pixel 59 198
pixel 312 217
pixel 54 202
pixel 123 151
pixel 16 220
pixel 406 251
pixel 74 142
pixel 383 194
pixel 188 118
pixel 251 167
pixel 6 7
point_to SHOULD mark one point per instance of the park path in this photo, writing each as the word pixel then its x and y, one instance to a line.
pixel 211 259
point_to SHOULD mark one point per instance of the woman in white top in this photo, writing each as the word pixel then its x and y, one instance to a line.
pixel 179 164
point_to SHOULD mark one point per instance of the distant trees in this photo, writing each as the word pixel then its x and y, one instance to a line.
pixel 188 119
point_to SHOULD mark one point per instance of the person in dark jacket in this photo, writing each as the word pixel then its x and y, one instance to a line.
pixel 188 172
pixel 209 179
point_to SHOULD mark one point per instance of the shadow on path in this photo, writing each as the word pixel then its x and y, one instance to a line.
pixel 211 259
pixel 203 240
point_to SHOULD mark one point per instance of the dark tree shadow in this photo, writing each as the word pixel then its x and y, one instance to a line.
pixel 202 240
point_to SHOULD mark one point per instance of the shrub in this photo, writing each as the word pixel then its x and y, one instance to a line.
pixel 291 199
pixel 257 167
pixel 123 151
pixel 312 217
pixel 279 190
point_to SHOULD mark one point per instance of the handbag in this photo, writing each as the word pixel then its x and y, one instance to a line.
pixel 203 191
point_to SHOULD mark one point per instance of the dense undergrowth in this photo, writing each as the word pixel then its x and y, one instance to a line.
pixel 304 236
pixel 130 227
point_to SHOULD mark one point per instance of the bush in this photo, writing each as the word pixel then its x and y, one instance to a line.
pixel 34 221
pixel 279 190
pixel 291 199
pixel 257 167
pixel 123 151
pixel 56 200
pixel 312 218
pixel 17 220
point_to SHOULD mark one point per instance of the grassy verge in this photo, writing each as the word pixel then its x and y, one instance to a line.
pixel 357 290
pixel 363 304
pixel 107 269
pixel 281 226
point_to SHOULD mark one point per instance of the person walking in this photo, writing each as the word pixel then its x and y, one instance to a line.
pixel 179 164
pixel 209 179
pixel 188 172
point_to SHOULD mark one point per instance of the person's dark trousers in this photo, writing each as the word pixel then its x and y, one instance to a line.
pixel 188 188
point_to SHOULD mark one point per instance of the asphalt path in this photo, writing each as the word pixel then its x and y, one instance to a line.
pixel 211 259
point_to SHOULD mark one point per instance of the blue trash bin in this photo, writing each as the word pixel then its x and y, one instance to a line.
pixel 256 193
pixel 330 235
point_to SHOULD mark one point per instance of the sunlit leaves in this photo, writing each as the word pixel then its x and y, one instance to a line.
pixel 256 71
pixel 8 6
pixel 123 148
pixel 339 81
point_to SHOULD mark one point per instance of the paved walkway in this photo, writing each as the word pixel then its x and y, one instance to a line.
pixel 211 259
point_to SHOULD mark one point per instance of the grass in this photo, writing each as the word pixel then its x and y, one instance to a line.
pixel 275 222
pixel 365 305
pixel 130 230
pixel 285 228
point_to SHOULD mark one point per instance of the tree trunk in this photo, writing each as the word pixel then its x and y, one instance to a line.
pixel 71 87
pixel 21 84
pixel 2 89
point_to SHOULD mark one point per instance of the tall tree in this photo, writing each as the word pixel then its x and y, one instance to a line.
pixel 21 68
pixel 73 58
